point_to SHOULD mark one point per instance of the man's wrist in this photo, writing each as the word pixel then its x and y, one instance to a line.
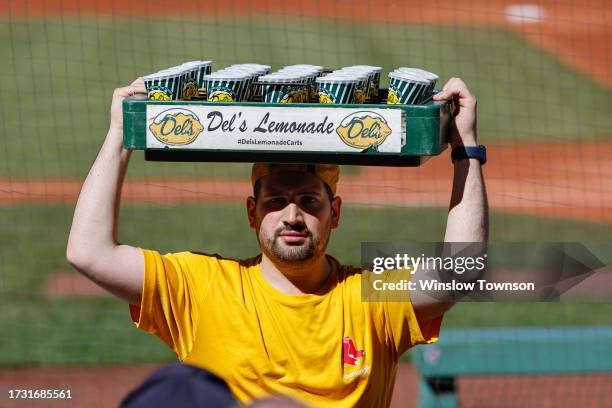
pixel 467 142
pixel 467 153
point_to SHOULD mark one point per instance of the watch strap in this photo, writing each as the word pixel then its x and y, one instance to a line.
pixel 470 152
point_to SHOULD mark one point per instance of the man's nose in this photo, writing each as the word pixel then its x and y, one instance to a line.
pixel 293 214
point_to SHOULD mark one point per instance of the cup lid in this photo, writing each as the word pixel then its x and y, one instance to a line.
pixel 408 76
pixel 280 78
pixel 241 71
pixel 352 74
pixel 369 67
pixel 336 79
pixel 267 67
pixel 229 76
pixel 315 67
pixel 426 74
pixel 166 73
pixel 195 63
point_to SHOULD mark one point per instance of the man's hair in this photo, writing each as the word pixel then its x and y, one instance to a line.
pixel 257 191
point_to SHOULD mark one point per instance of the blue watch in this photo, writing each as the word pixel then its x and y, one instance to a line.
pixel 470 152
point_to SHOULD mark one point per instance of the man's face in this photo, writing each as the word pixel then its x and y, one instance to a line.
pixel 293 216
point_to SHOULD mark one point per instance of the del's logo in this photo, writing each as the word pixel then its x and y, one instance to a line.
pixel 350 354
pixel 176 127
pixel 363 129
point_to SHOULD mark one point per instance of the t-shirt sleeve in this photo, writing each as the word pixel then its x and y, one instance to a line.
pixel 404 330
pixel 395 317
pixel 173 288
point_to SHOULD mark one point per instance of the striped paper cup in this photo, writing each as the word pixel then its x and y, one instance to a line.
pixel 336 89
pixel 430 76
pixel 282 88
pixel 406 88
pixel 225 87
pixel 251 76
pixel 374 73
pixel 362 86
pixel 164 85
pixel 260 70
pixel 309 74
pixel 197 70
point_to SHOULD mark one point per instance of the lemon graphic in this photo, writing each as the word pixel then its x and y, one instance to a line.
pixel 176 127
pixel 392 98
pixel 324 98
pixel 363 129
pixel 159 96
pixel 221 97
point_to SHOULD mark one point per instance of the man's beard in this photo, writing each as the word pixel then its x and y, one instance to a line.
pixel 274 248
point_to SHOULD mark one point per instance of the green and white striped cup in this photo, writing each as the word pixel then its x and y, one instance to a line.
pixel 362 86
pixel 282 87
pixel 406 88
pixel 310 74
pixel 225 87
pixel 189 88
pixel 251 76
pixel 374 73
pixel 336 89
pixel 430 76
pixel 258 69
pixel 164 85
pixel 194 72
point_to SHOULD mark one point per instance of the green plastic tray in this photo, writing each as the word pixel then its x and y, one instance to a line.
pixel 424 133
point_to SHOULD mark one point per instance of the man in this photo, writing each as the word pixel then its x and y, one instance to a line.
pixel 291 320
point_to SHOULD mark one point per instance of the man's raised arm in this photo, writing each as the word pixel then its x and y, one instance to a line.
pixel 92 245
pixel 468 216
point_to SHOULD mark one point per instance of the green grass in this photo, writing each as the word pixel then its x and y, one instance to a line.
pixel 73 331
pixel 40 330
pixel 59 76
pixel 33 238
pixel 531 314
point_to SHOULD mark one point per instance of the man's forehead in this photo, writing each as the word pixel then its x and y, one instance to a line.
pixel 291 181
pixel 327 173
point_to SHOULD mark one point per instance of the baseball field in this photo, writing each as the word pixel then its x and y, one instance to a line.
pixel 544 85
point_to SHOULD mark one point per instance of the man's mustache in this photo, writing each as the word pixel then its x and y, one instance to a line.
pixel 292 227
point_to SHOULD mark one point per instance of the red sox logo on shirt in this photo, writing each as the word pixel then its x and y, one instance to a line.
pixel 350 354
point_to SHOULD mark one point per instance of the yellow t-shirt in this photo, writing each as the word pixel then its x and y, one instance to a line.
pixel 323 350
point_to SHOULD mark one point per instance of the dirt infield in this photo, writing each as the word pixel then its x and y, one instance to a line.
pixel 98 386
pixel 550 180
pixel 579 33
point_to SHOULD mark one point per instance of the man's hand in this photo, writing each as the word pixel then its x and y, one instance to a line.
pixel 116 120
pixel 463 126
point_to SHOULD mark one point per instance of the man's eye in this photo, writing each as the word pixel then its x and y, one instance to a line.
pixel 309 200
pixel 276 200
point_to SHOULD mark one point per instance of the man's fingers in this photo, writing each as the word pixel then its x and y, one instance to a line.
pixel 445 94
pixel 455 88
pixel 124 92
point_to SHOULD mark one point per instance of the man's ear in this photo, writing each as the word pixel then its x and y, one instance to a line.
pixel 336 204
pixel 250 207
